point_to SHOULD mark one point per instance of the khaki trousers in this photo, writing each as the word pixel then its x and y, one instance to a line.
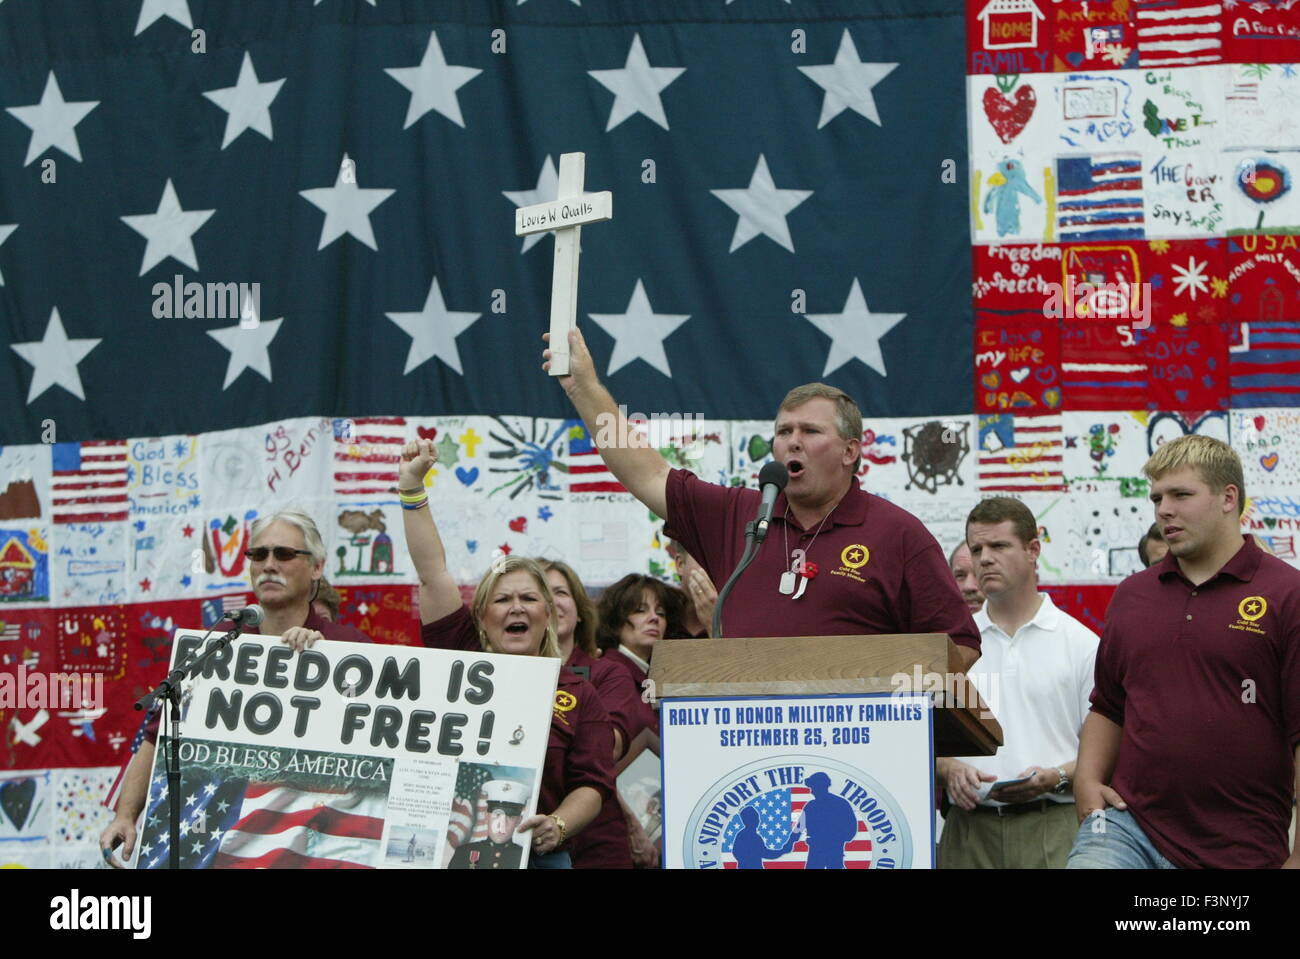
pixel 1026 840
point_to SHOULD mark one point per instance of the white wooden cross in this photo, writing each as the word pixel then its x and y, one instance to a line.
pixel 565 216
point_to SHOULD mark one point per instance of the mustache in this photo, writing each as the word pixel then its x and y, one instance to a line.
pixel 271 578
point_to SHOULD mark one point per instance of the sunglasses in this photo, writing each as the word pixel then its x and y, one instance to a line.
pixel 258 554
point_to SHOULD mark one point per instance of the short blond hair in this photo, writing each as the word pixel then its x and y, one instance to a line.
pixel 503 567
pixel 1215 461
pixel 848 418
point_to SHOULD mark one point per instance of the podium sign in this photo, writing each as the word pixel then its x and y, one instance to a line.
pixel 799 782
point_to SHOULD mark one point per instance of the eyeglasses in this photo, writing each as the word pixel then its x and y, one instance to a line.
pixel 258 554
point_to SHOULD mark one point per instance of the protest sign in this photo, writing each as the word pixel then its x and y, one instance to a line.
pixel 348 755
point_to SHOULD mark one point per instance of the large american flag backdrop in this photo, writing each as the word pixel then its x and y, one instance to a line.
pixel 248 248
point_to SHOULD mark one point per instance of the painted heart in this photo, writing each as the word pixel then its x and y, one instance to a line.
pixel 16 800
pixel 1075 58
pixel 991 381
pixel 1269 462
pixel 758 448
pixel 1259 424
pixel 427 434
pixel 1182 395
pixel 1008 116
pixel 1052 398
pixel 1020 375
pixel 1045 374
pixel 1270 521
pixel 518 523
pixel 467 476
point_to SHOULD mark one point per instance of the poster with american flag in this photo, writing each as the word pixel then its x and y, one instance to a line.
pixel 344 756
pixel 798 782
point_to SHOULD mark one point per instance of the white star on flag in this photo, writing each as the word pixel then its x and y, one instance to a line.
pixel 433 331
pixel 54 359
pixel 347 206
pixel 855 332
pixel 433 84
pixel 547 189
pixel 53 121
pixel 248 348
pixel 1191 278
pixel 636 87
pixel 247 103
pixel 848 82
pixel 151 10
pixel 169 231
pixel 5 231
pixel 762 208
pixel 639 332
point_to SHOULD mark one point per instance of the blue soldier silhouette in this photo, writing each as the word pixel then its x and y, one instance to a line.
pixel 828 823
pixel 749 848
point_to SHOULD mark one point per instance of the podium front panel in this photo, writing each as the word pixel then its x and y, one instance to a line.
pixel 799 782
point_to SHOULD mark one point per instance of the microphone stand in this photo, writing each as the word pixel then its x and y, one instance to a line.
pixel 752 542
pixel 170 690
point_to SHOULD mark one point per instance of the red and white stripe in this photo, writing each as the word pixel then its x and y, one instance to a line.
pixel 466 824
pixel 1033 464
pixel 857 853
pixel 282 827
pixel 1179 32
pixel 366 463
pixel 96 492
pixel 589 474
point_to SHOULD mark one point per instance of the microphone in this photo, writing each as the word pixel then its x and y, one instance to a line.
pixel 248 616
pixel 772 479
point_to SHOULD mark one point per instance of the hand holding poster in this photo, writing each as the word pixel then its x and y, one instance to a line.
pixel 348 755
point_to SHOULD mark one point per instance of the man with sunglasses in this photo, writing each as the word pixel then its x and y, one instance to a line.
pixel 285 564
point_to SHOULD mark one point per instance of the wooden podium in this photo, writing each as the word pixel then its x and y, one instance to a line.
pixel 805 665
pixel 810 752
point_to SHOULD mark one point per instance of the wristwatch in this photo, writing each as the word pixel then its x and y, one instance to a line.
pixel 1064 784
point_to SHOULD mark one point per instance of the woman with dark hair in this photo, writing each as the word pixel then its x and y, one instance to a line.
pixel 635 613
pixel 513 613
pixel 605 844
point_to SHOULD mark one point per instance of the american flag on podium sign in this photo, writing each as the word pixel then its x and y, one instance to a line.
pixel 780 812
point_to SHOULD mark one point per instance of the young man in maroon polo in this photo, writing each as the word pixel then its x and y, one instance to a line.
pixel 1188 758
pixel 871 567
pixel 286 563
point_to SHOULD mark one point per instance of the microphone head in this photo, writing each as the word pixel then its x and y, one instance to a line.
pixel 774 473
pixel 253 615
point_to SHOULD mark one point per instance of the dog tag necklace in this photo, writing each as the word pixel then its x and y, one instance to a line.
pixel 793 578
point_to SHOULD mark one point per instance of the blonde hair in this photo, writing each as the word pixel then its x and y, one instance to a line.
pixel 1215 462
pixel 584 633
pixel 488 584
pixel 848 418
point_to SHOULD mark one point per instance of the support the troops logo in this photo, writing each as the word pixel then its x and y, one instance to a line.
pixel 797 812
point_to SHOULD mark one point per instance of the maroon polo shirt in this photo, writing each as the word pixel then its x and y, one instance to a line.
pixel 645 716
pixel 1206 763
pixel 604 844
pixel 878 569
pixel 618 693
pixel 337 632
pixel 580 748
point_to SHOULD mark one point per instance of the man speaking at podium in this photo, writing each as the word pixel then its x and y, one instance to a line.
pixel 843 562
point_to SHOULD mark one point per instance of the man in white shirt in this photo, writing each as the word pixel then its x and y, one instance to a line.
pixel 1036 675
